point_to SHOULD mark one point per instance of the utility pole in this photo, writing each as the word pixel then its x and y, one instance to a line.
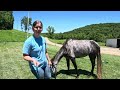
pixel 28 25
pixel 17 25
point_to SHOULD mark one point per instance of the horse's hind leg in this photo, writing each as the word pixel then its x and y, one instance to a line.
pixel 92 59
pixel 75 66
pixel 68 64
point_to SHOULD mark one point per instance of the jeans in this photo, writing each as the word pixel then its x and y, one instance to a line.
pixel 42 73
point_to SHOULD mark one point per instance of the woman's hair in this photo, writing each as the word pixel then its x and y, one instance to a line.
pixel 35 22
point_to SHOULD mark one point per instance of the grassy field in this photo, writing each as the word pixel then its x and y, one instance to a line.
pixel 14 67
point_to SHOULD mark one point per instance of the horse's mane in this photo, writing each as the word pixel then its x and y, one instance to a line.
pixel 68 40
pixel 63 47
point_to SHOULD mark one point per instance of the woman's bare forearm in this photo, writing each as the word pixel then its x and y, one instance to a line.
pixel 48 58
pixel 28 58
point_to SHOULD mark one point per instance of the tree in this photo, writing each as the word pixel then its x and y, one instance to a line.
pixel 25 24
pixel 51 31
pixel 6 20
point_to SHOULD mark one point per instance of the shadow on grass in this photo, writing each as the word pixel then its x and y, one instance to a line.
pixel 71 72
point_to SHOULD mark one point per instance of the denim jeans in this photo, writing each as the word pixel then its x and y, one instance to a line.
pixel 42 73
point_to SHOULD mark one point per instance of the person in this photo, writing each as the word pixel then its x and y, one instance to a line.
pixel 35 52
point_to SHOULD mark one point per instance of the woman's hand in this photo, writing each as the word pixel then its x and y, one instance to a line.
pixel 28 58
pixel 36 63
pixel 49 62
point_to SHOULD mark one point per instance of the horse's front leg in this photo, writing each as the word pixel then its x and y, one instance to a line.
pixel 75 66
pixel 68 65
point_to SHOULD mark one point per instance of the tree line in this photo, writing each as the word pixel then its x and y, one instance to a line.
pixel 98 32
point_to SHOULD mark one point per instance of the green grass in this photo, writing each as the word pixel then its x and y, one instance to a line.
pixel 57 41
pixel 110 68
pixel 101 44
pixel 11 63
pixel 14 67
pixel 12 36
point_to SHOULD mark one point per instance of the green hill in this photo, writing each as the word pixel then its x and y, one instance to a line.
pixel 98 32
pixel 12 36
pixel 102 27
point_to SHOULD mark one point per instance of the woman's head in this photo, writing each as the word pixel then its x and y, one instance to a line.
pixel 36 22
pixel 37 27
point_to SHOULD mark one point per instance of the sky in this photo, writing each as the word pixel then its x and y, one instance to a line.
pixel 64 21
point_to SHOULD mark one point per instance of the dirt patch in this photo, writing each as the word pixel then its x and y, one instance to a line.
pixel 104 50
pixel 110 50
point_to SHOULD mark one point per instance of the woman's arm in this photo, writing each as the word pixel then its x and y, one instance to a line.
pixel 28 58
pixel 48 58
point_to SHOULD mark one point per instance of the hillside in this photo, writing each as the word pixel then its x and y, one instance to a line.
pixel 102 27
pixel 12 36
pixel 98 32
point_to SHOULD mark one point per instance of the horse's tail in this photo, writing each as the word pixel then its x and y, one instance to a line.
pixel 99 61
pixel 99 65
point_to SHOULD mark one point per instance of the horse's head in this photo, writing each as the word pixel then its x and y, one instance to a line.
pixel 53 69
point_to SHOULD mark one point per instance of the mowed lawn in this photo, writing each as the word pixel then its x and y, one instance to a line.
pixel 12 65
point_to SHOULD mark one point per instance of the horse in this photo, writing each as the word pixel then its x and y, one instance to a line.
pixel 72 49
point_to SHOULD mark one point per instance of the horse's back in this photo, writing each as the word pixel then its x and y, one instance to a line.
pixel 82 43
pixel 81 48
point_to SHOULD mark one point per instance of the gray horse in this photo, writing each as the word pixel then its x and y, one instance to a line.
pixel 72 49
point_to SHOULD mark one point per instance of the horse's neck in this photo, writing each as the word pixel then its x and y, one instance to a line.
pixel 58 56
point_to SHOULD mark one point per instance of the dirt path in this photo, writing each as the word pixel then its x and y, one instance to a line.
pixel 104 50
pixel 110 50
pixel 51 43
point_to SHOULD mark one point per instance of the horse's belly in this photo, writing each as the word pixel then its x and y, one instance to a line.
pixel 78 55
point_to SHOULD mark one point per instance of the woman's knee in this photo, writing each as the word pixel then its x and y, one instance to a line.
pixel 40 73
pixel 47 73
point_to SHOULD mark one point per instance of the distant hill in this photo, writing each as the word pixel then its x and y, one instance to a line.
pixel 98 32
pixel 102 27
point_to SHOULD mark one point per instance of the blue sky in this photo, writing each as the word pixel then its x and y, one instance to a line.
pixel 64 21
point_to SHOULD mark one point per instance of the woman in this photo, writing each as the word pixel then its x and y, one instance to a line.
pixel 34 51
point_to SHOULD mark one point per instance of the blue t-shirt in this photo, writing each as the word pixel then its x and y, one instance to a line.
pixel 36 48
